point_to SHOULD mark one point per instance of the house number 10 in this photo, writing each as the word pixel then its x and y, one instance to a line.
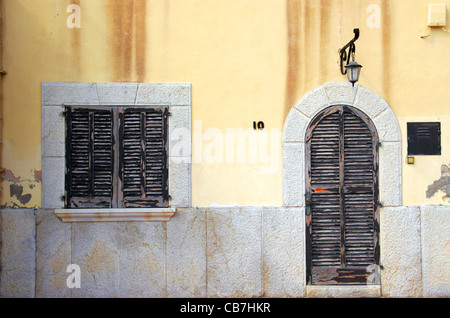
pixel 259 125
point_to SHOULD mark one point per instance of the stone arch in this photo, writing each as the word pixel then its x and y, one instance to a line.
pixel 362 98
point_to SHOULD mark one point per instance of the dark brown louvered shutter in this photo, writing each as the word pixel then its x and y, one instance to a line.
pixel 89 158
pixel 342 196
pixel 144 171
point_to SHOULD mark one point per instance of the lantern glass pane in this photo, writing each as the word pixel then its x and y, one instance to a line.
pixel 353 73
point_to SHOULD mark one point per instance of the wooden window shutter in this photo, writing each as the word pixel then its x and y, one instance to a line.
pixel 144 171
pixel 89 158
pixel 342 198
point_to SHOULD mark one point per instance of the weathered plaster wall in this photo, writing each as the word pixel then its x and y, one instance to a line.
pixel 247 61
pixel 211 252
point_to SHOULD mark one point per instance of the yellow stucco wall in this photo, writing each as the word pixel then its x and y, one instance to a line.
pixel 247 60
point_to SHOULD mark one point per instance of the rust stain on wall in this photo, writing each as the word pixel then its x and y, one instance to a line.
pixel 308 40
pixel 38 176
pixel 293 51
pixel 307 16
pixel 76 43
pixel 9 176
pixel 100 259
pixel 124 38
pixel 128 38
pixel 324 34
pixel 120 13
pixel 386 43
pixel 140 38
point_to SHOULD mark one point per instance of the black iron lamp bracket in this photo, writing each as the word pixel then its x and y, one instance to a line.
pixel 344 56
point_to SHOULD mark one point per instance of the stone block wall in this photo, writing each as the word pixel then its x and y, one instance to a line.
pixel 211 252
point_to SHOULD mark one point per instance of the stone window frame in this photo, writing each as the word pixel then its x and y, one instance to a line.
pixel 55 95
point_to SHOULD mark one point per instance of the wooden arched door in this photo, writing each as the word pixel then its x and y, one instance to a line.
pixel 342 217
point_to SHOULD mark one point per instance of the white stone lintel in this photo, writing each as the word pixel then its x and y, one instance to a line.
pixel 67 93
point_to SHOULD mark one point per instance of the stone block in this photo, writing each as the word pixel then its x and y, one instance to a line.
pixel 390 175
pixel 340 93
pixel 401 252
pixel 18 239
pixel 312 102
pixel 53 255
pixel 17 284
pixel 180 131
pixel 369 102
pixel 284 273
pixel 141 263
pixel 387 126
pixel 18 253
pixel 53 176
pixel 117 93
pixel 293 174
pixel 53 131
pixel 180 181
pixel 234 259
pixel 172 94
pixel 69 93
pixel 96 249
pixel 186 254
pixel 436 250
pixel 295 126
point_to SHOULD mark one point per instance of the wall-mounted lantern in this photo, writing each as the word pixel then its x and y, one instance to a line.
pixel 352 69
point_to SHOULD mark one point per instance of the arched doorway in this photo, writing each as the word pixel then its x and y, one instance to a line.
pixel 295 129
pixel 342 205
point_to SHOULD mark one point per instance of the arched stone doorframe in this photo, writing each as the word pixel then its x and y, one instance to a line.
pixel 362 98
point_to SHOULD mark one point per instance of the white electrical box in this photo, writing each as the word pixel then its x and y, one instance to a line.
pixel 437 14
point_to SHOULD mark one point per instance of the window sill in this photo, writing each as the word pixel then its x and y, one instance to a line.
pixel 116 215
pixel 343 291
